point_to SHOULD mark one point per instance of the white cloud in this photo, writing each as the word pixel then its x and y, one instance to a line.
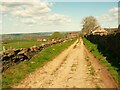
pixel 28 21
pixel 33 13
pixel 110 16
pixel 19 0
pixel 0 22
pixel 59 18
pixel 116 9
pixel 25 9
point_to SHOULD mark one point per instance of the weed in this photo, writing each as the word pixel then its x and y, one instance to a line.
pixel 74 46
pixel 92 71
pixel 87 58
pixel 98 87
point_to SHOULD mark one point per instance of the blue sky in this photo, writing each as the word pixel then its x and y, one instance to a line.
pixel 56 16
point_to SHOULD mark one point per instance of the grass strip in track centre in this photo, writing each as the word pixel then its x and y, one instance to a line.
pixel 18 72
pixel 93 49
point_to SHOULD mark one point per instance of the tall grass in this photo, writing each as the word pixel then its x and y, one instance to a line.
pixel 94 50
pixel 18 72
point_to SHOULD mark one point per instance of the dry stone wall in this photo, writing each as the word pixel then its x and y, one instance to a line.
pixel 109 47
pixel 11 57
pixel 111 41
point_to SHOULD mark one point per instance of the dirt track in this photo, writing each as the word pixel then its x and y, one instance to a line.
pixel 73 68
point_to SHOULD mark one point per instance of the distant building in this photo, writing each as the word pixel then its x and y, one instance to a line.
pixel 39 40
pixel 3 48
pixel 42 40
pixel 72 35
pixel 99 31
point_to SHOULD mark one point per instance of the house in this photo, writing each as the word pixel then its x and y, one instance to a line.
pixel 42 40
pixel 72 35
pixel 99 31
pixel 39 40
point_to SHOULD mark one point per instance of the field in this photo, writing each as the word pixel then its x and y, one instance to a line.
pixel 17 44
pixel 18 41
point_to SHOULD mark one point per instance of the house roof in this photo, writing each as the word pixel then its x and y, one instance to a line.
pixel 100 31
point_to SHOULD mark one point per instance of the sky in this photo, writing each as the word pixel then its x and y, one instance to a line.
pixel 41 16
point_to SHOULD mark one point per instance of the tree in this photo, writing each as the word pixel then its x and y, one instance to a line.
pixel 56 35
pixel 89 23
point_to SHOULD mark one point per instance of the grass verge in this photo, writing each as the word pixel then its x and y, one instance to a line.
pixel 18 72
pixel 94 50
